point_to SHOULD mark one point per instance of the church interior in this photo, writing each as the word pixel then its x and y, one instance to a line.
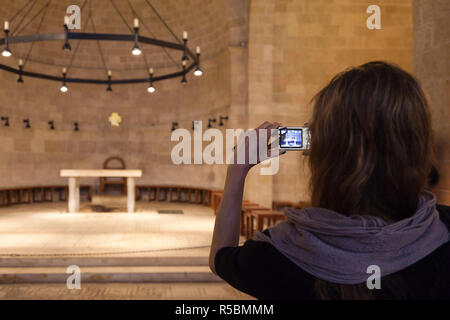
pixel 92 91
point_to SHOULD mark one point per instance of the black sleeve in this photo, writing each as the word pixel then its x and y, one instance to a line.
pixel 261 271
pixel 232 265
pixel 444 214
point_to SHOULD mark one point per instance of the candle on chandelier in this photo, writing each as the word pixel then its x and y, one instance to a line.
pixel 136 22
pixel 197 49
pixel 20 62
pixel 6 27
pixel 185 35
pixel 151 70
pixel 109 73
pixel 64 70
pixel 66 20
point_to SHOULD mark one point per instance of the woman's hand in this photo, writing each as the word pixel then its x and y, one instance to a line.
pixel 226 229
pixel 247 153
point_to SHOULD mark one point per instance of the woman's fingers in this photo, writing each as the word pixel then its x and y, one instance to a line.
pixel 264 125
pixel 272 151
pixel 273 126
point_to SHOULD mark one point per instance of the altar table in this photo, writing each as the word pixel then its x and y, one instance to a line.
pixel 74 184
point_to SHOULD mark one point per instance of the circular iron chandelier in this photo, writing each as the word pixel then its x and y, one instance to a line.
pixel 134 37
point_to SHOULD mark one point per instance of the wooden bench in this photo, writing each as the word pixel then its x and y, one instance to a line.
pixel 263 218
pixel 301 205
pixel 276 205
pixel 37 194
pixel 247 208
pixel 216 197
pixel 174 193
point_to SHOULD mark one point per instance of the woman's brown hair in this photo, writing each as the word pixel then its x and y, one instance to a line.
pixel 371 147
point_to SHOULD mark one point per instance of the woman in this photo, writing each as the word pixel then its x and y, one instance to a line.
pixel 370 156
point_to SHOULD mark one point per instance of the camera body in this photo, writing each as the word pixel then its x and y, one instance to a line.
pixel 294 138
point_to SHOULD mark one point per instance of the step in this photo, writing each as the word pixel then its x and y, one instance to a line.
pixel 128 274
pixel 109 200
pixel 93 261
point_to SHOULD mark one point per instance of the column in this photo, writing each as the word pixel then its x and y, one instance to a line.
pixel 74 195
pixel 131 196
pixel 258 188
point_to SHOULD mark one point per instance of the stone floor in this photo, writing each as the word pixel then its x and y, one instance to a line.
pixel 41 229
pixel 46 234
pixel 145 291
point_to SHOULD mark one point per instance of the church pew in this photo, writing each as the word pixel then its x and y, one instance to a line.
pixel 246 210
pixel 258 220
pixel 37 194
pixel 216 197
pixel 276 205
pixel 175 193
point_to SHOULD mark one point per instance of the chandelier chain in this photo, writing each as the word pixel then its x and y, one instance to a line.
pixel 20 11
pixel 31 20
pixel 163 21
pixel 98 42
pixel 143 51
pixel 152 34
pixel 38 29
pixel 121 16
pixel 72 58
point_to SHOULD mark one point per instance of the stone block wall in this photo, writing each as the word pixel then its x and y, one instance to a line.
pixel 262 60
pixel 432 67
pixel 295 47
pixel 34 156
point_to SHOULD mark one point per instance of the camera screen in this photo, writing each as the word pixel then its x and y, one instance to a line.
pixel 291 138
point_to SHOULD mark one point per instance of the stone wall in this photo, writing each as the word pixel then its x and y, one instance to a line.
pixel 262 60
pixel 35 156
pixel 432 67
pixel 295 47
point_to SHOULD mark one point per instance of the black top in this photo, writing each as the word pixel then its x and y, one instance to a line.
pixel 260 270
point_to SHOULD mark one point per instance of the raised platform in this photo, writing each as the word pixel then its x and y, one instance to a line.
pixel 110 201
pixel 138 291
pixel 107 270
pixel 38 242
pixel 47 229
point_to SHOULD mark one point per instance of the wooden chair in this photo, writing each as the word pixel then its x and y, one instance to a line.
pixel 206 197
pixel 276 205
pixel 4 197
pixel 216 197
pixel 301 205
pixel 264 219
pixel 193 195
pixel 109 164
pixel 247 208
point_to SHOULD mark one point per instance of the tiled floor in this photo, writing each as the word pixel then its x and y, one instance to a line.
pixel 47 229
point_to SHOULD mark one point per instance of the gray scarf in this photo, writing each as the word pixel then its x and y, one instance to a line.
pixel 338 248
